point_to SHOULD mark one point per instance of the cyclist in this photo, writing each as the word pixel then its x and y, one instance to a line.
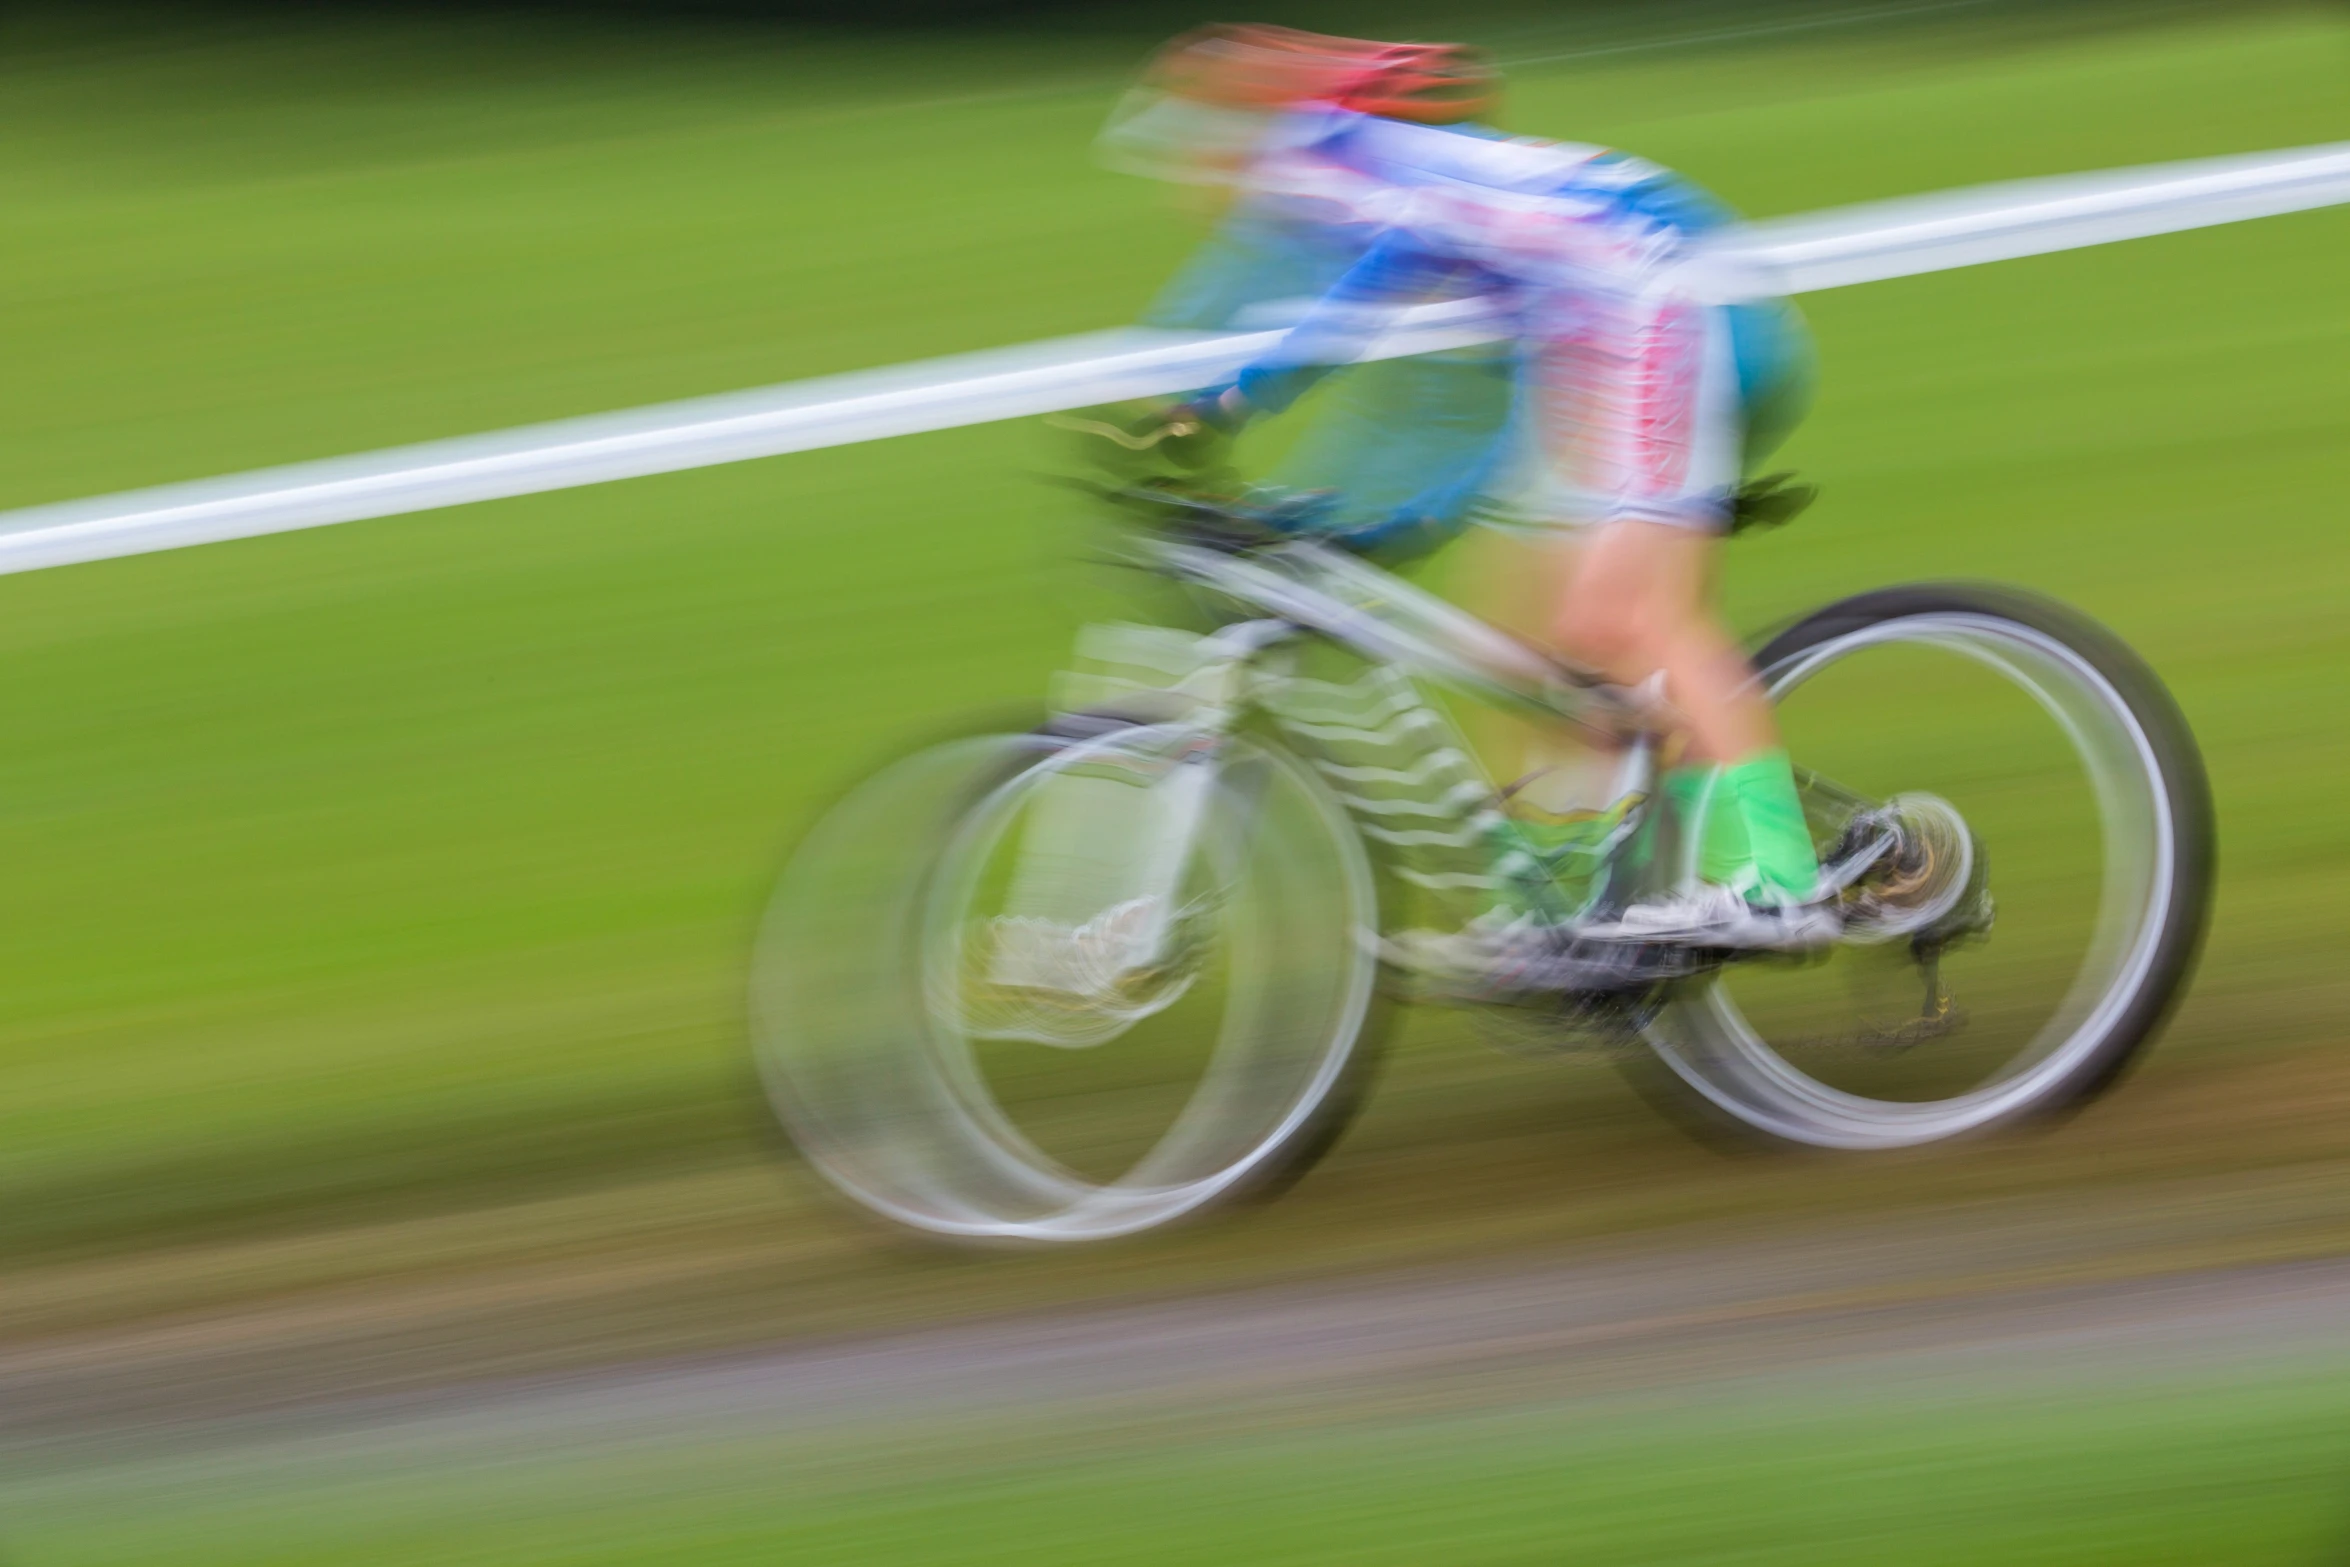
pixel 1637 406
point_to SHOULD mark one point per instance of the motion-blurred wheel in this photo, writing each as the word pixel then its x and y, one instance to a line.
pixel 1069 985
pixel 2042 910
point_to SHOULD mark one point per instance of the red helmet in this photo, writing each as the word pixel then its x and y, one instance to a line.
pixel 1434 84
pixel 1265 67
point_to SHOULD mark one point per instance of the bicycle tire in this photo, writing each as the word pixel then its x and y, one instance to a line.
pixel 1727 1081
pixel 881 1152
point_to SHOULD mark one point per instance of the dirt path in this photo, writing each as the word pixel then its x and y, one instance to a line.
pixel 2097 1286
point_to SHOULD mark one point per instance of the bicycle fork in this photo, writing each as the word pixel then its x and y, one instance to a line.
pixel 1097 890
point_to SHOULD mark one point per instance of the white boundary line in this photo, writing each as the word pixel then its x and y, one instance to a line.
pixel 1783 256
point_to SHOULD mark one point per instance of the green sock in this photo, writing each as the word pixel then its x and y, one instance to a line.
pixel 1722 854
pixel 1783 858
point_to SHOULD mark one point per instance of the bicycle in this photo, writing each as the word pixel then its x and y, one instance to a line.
pixel 1086 979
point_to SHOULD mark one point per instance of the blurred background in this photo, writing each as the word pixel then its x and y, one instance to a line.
pixel 370 1018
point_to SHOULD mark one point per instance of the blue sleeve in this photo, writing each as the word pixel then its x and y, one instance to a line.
pixel 1344 320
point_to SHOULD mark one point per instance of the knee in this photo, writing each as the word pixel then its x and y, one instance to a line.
pixel 1611 631
pixel 1633 595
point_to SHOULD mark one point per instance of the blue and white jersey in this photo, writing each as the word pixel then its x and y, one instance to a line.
pixel 1633 397
pixel 1546 214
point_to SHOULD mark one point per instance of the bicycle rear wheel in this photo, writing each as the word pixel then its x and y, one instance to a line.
pixel 2079 787
pixel 976 1016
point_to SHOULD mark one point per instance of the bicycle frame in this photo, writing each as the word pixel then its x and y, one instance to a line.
pixel 1312 587
pixel 1402 770
pixel 1303 587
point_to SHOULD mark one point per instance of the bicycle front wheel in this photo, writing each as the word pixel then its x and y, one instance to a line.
pixel 2061 776
pixel 1050 987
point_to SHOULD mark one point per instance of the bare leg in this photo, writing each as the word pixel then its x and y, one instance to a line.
pixel 1637 602
pixel 1634 600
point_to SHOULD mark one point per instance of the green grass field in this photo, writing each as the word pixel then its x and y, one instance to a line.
pixel 380 893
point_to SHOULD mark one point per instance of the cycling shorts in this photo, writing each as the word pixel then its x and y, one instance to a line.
pixel 1648 409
